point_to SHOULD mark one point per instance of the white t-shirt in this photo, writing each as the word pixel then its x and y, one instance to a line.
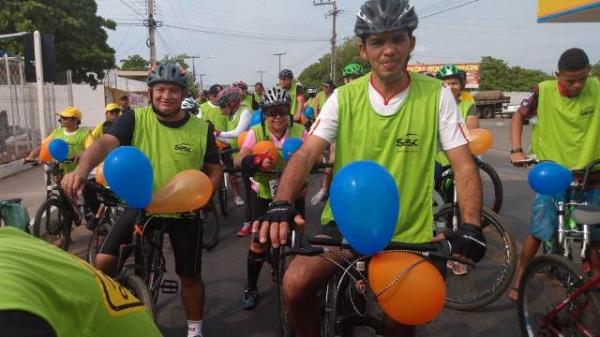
pixel 243 125
pixel 451 130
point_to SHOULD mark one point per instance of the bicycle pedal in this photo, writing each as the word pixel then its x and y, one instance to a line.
pixel 169 287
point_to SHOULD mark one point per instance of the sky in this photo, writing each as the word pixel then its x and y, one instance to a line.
pixel 236 38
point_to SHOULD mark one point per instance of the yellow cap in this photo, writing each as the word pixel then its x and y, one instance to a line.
pixel 112 106
pixel 70 111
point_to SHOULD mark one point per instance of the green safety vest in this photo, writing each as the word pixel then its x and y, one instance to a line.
pixel 292 92
pixel 404 143
pixel 76 143
pixel 265 180
pixel 257 98
pixel 170 150
pixel 70 295
pixel 247 101
pixel 213 114
pixel 567 129
pixel 321 99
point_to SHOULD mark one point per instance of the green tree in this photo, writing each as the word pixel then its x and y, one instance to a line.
pixel 318 72
pixel 495 74
pixel 135 62
pixel 596 69
pixel 80 34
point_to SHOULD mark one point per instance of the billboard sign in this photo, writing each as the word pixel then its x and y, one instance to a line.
pixel 472 70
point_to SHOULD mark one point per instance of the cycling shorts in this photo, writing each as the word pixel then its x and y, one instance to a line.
pixel 185 236
pixel 15 323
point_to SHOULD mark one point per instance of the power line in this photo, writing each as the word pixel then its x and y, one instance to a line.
pixel 244 35
pixel 447 9
pixel 132 8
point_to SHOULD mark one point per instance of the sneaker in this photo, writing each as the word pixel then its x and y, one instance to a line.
pixel 249 299
pixel 457 268
pixel 318 197
pixel 245 230
pixel 238 201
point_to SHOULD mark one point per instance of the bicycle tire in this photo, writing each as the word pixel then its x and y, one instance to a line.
pixel 498 198
pixel 493 274
pixel 211 228
pixel 281 264
pixel 559 272
pixel 139 288
pixel 97 239
pixel 156 271
pixel 51 231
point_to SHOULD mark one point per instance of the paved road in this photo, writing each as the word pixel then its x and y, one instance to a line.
pixel 224 267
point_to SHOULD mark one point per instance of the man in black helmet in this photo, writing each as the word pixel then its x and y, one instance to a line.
pixel 159 131
pixel 296 92
pixel 397 119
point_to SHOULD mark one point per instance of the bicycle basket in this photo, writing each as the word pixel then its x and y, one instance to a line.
pixel 14 214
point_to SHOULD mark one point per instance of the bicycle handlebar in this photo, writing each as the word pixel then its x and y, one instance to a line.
pixel 316 169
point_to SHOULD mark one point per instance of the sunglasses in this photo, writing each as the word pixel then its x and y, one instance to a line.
pixel 277 112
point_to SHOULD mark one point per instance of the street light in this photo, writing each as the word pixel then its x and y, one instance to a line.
pixel 279 56
pixel 200 62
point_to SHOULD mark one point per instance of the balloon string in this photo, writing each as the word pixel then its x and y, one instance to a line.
pixel 399 277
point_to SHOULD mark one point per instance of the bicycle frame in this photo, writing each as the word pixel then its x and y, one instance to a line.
pixel 550 317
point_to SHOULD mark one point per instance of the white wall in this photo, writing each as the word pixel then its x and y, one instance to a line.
pixel 90 102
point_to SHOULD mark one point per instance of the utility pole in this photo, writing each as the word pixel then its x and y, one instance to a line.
pixel 201 83
pixel 279 63
pixel 334 12
pixel 152 25
pixel 193 58
pixel 261 72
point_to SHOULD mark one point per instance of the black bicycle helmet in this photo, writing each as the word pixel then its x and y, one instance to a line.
pixel 167 73
pixel 379 16
pixel 286 73
pixel 274 97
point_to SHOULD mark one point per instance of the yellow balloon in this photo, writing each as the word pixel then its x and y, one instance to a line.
pixel 187 191
pixel 88 141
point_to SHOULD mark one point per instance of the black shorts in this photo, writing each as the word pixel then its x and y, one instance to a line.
pixel 332 231
pixel 15 323
pixel 185 236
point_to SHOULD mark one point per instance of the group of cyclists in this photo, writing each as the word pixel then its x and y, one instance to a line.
pixel 366 118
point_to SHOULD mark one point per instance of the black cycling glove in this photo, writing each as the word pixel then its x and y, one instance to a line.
pixel 280 211
pixel 468 241
pixel 248 165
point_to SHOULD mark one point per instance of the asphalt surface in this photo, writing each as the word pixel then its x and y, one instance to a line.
pixel 224 267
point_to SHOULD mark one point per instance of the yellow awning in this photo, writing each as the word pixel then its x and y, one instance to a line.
pixel 568 11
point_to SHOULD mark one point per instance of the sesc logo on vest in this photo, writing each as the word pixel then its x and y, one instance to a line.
pixel 408 143
pixel 183 148
pixel 586 112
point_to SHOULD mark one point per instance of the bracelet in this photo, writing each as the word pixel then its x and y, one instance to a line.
pixel 517 150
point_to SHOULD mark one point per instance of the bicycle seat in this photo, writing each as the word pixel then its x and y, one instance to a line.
pixel 587 214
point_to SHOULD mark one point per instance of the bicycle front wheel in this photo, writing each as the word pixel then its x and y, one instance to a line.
pixel 137 286
pixel 97 239
pixel 50 225
pixel 281 263
pixel 210 228
pixel 470 288
pixel 547 282
pixel 493 192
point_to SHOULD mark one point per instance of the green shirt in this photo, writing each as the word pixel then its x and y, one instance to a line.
pixel 76 142
pixel 404 143
pixel 73 297
pixel 567 129
pixel 213 114
pixel 170 150
pixel 263 179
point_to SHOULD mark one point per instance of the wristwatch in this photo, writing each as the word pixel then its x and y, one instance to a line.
pixel 517 150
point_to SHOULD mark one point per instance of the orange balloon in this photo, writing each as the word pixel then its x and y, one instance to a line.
pixel 189 190
pixel 220 144
pixel 241 138
pixel 44 152
pixel 265 147
pixel 480 140
pixel 417 297
pixel 100 174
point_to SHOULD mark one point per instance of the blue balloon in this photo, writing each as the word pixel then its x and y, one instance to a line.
pixel 256 118
pixel 549 178
pixel 129 173
pixel 365 203
pixel 59 149
pixel 309 112
pixel 290 146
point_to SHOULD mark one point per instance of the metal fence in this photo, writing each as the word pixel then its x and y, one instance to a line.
pixel 19 118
